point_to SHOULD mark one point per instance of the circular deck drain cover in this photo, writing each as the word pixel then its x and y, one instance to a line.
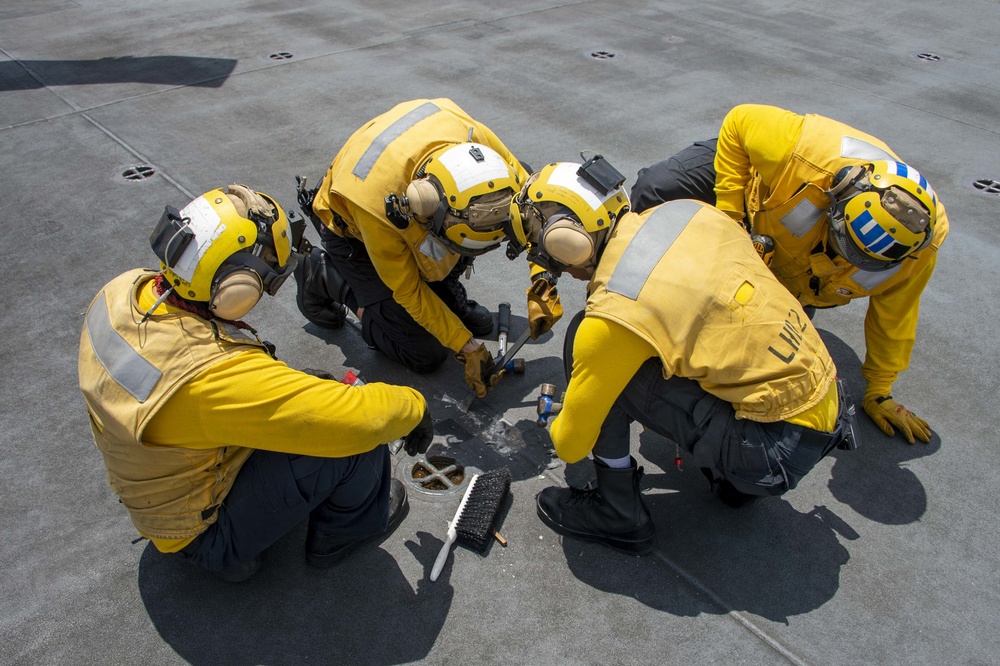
pixel 987 186
pixel 932 57
pixel 435 476
pixel 281 55
pixel 138 172
pixel 602 55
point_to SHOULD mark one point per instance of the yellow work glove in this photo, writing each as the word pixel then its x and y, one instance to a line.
pixel 544 308
pixel 886 412
pixel 476 364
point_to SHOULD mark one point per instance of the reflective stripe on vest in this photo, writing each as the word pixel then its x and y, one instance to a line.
pixel 801 219
pixel 433 248
pixel 390 134
pixel 123 363
pixel 649 245
pixel 862 150
pixel 868 280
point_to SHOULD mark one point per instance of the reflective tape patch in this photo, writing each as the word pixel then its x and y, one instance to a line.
pixel 802 218
pixel 207 226
pixel 123 363
pixel 467 172
pixel 649 245
pixel 433 248
pixel 566 175
pixel 390 134
pixel 868 280
pixel 862 150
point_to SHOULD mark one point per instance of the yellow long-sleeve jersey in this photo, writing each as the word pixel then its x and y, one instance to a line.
pixel 381 158
pixel 773 168
pixel 598 378
pixel 254 401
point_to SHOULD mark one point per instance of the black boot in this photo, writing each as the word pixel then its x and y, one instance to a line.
pixel 612 513
pixel 452 292
pixel 325 550
pixel 322 291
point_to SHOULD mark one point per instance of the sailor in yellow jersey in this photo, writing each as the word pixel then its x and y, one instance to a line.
pixel 686 332
pixel 409 201
pixel 216 448
pixel 838 216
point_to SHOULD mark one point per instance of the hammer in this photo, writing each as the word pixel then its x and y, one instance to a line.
pixel 546 407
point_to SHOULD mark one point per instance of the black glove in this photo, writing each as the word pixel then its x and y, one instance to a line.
pixel 313 297
pixel 420 438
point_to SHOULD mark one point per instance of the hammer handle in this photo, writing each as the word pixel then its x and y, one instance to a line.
pixel 503 318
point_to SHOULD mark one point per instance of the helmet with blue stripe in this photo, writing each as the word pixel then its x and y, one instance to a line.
pixel 881 213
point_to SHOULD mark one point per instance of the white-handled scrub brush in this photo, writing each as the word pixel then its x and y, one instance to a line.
pixel 473 521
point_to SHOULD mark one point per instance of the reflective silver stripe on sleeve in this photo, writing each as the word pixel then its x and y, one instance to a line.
pixel 862 150
pixel 390 134
pixel 802 218
pixel 868 280
pixel 123 363
pixel 649 245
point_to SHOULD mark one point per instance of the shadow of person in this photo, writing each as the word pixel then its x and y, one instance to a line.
pixel 872 479
pixel 481 433
pixel 164 70
pixel 363 611
pixel 768 558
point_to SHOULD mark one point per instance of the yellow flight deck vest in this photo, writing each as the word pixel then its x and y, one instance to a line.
pixel 687 280
pixel 793 211
pixel 382 157
pixel 128 370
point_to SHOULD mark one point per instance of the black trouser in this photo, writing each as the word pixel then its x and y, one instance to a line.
pixel 690 174
pixel 274 492
pixel 385 324
pixel 757 458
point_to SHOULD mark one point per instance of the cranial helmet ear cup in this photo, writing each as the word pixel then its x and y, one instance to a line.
pixel 567 242
pixel 235 294
pixel 423 198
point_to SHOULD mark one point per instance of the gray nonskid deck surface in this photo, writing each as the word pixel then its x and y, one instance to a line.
pixel 883 555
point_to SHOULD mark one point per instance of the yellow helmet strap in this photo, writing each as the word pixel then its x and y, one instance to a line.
pixel 514 245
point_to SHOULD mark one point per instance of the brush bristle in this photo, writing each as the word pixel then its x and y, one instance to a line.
pixel 475 523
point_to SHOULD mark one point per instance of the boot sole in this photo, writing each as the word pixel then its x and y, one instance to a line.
pixel 630 546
